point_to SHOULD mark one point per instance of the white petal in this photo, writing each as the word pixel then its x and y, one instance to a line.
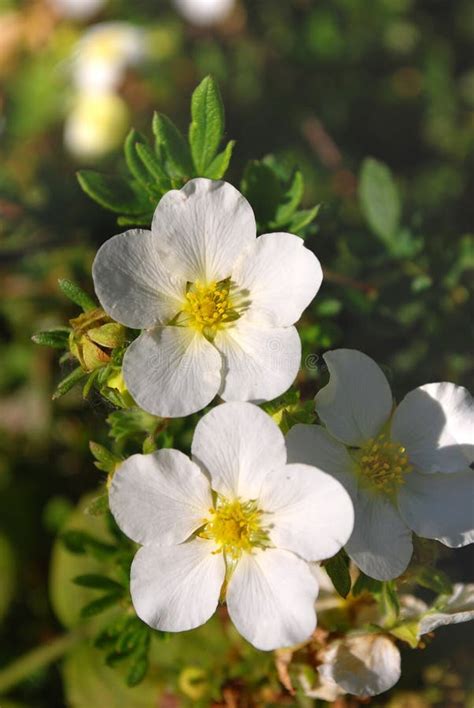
pixel 172 371
pixel 436 425
pixel 203 228
pixel 308 511
pixel 271 598
pixel 357 401
pixel 238 444
pixel 380 544
pixel 440 506
pixel 312 445
pixel 175 588
pixel 160 498
pixel 364 665
pixel 131 282
pixel 458 607
pixel 260 363
pixel 281 276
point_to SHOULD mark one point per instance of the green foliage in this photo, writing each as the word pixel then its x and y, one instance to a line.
pixel 380 199
pixel 433 579
pixel 171 143
pixel 57 337
pixel 338 570
pixel 7 574
pixel 69 382
pixel 77 295
pixel 79 542
pixel 207 124
pixel 275 195
pixel 105 459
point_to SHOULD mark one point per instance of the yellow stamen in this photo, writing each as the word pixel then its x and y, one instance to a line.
pixel 382 465
pixel 235 527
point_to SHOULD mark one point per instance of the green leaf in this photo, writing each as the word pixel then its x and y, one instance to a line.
pixel 379 199
pixel 207 125
pixel 79 542
pixel 101 604
pixel 140 220
pixel 98 582
pixel 389 603
pixel 56 337
pixel 114 193
pixel 69 382
pixel 134 164
pixel 150 160
pixel 106 460
pixel 138 670
pixel 338 570
pixel 302 218
pixel 262 188
pixel 220 163
pixel 290 200
pixel 366 584
pixel 77 295
pixel 98 506
pixel 434 579
pixel 171 141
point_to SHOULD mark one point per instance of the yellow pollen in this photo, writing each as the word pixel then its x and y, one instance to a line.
pixel 382 464
pixel 235 527
pixel 209 306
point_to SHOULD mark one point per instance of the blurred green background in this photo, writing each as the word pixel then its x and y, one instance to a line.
pixel 321 84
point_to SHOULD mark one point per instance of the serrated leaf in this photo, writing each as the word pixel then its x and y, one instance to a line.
pixel 77 295
pixel 56 337
pixel 114 193
pixel 98 582
pixel 302 218
pixel 175 147
pixel 101 604
pixel 151 162
pixel 107 459
pixel 134 164
pixel 379 199
pixel 220 163
pixel 290 200
pixel 69 382
pixel 338 570
pixel 207 124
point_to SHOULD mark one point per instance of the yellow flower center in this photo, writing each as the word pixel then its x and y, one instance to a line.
pixel 383 464
pixel 210 306
pixel 235 527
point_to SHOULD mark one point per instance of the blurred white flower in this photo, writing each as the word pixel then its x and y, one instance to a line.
pixel 103 54
pixel 406 470
pixel 204 12
pixel 77 9
pixel 217 304
pixel 96 125
pixel 448 609
pixel 236 522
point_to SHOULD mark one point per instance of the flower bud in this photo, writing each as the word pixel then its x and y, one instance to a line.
pixel 94 335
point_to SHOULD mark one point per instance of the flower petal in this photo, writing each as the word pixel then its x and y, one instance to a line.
pixel 172 371
pixel 176 588
pixel 271 598
pixel 364 665
pixel 310 512
pixel 131 282
pixel 312 445
pixel 237 444
pixel 436 425
pixel 458 607
pixel 380 544
pixel 439 506
pixel 357 401
pixel 203 228
pixel 260 363
pixel 281 275
pixel 160 498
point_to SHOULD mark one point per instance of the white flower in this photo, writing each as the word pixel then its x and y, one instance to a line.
pixel 77 9
pixel 217 304
pixel 104 52
pixel 361 664
pixel 236 522
pixel 406 470
pixel 448 609
pixel 96 125
pixel 204 12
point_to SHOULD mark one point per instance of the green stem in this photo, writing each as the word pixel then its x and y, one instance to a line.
pixel 36 659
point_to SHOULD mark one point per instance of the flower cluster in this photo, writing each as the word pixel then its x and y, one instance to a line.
pixel 209 310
